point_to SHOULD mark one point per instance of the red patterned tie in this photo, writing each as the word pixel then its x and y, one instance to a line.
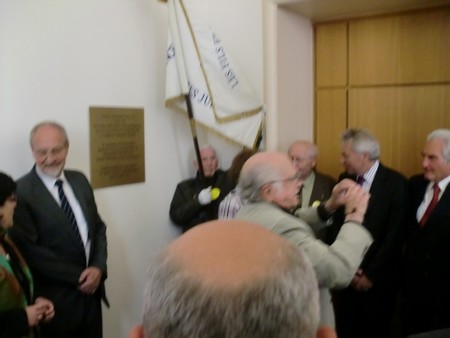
pixel 432 204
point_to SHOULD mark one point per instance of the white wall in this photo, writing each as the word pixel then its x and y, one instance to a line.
pixel 288 69
pixel 57 58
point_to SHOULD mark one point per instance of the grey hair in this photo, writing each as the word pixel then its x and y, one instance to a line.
pixel 444 135
pixel 251 181
pixel 282 303
pixel 312 151
pixel 53 124
pixel 362 142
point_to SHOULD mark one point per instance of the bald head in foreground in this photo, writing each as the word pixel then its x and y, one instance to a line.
pixel 231 279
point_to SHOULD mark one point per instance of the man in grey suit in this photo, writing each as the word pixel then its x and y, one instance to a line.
pixel 65 249
pixel 269 188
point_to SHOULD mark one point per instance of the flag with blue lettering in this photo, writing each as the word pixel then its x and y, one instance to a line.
pixel 198 64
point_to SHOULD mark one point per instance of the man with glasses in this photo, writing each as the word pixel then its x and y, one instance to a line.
pixel 269 186
pixel 62 236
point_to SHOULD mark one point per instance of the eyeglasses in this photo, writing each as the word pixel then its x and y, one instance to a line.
pixel 55 152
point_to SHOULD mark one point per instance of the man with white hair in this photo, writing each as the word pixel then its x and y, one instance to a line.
pixel 427 255
pixel 269 187
pixel 194 200
pixel 366 307
pixel 316 187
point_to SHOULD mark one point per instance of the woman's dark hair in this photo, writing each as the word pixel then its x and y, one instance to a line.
pixel 7 187
pixel 238 162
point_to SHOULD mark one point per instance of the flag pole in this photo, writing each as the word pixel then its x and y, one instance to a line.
pixel 194 136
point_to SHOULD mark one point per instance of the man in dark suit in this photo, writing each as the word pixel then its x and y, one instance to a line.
pixel 194 202
pixel 66 250
pixel 426 300
pixel 365 308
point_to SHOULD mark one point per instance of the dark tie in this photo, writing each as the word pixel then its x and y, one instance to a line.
pixel 68 210
pixel 360 180
pixel 432 204
pixel 300 197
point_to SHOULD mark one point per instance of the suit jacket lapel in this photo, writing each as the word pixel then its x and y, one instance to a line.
pixel 376 191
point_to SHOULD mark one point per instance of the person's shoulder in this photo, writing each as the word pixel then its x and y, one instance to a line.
pixel 186 183
pixel 417 179
pixel 263 211
pixel 393 173
pixel 26 179
pixel 72 174
pixel 417 183
pixel 221 175
pixel 325 178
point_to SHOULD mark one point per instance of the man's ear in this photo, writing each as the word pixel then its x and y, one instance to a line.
pixel 266 192
pixel 137 332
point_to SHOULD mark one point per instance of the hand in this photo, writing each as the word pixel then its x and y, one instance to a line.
pixel 361 282
pixel 325 332
pixel 35 313
pixel 50 312
pixel 204 197
pixel 356 201
pixel 337 198
pixel 89 280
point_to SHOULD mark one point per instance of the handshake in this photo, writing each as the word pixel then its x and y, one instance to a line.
pixel 208 195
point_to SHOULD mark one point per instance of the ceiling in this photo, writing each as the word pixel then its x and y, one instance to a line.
pixel 325 10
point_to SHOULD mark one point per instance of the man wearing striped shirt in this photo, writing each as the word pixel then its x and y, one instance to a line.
pixel 364 308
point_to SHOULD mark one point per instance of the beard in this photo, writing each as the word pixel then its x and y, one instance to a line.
pixel 52 170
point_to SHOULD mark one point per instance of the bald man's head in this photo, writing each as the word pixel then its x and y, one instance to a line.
pixel 231 278
pixel 233 244
pixel 303 155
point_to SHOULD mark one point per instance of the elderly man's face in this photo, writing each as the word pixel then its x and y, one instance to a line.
pixel 284 191
pixel 300 155
pixel 209 161
pixel 49 150
pixel 352 161
pixel 434 164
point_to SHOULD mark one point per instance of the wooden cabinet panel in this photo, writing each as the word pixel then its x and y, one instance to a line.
pixel 401 118
pixel 331 54
pixel 400 49
pixel 331 121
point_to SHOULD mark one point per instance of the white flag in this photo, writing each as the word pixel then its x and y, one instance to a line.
pixel 198 65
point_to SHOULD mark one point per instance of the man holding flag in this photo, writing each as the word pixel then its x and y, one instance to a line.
pixel 197 200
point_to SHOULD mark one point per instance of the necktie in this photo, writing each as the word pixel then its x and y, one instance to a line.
pixel 432 204
pixel 300 197
pixel 68 210
pixel 360 180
